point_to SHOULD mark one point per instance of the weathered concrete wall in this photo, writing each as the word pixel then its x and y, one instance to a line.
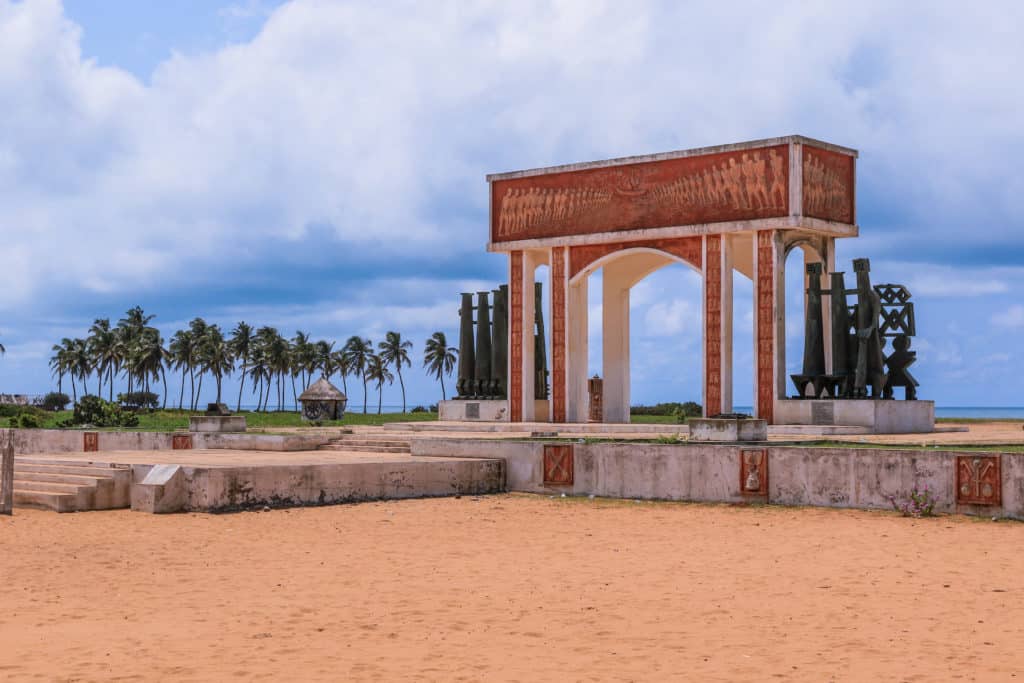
pixel 830 477
pixel 882 417
pixel 216 423
pixel 32 441
pixel 464 411
pixel 221 489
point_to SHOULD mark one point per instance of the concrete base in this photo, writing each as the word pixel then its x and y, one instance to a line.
pixel 793 475
pixel 726 429
pixel 473 411
pixel 882 417
pixel 217 424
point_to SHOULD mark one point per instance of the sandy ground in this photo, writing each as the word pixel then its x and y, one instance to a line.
pixel 511 587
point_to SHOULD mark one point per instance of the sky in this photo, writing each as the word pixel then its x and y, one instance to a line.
pixel 319 165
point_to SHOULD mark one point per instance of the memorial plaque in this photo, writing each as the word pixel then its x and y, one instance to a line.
pixel 823 413
pixel 472 411
pixel 181 442
pixel 979 480
pixel 90 442
pixel 754 472
pixel 558 465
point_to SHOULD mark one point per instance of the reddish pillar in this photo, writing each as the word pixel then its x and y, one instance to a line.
pixel 559 291
pixel 765 287
pixel 515 346
pixel 712 325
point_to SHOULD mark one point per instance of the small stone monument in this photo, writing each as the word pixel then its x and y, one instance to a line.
pixel 323 401
pixel 218 419
pixel 734 427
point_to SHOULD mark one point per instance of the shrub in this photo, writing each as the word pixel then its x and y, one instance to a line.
pixel 136 400
pixel 54 401
pixel 918 503
pixel 93 410
pixel 28 421
pixel 432 408
pixel 418 409
pixel 688 409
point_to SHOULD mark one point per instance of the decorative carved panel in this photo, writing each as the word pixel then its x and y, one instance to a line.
pixel 727 186
pixel 515 380
pixel 828 185
pixel 979 480
pixel 713 325
pixel 181 442
pixel 766 325
pixel 687 248
pixel 754 472
pixel 90 442
pixel 558 465
pixel 559 283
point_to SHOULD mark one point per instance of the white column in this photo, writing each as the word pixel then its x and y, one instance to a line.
pixel 578 400
pixel 615 330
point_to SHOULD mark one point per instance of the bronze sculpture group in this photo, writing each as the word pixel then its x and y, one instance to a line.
pixel 483 346
pixel 859 363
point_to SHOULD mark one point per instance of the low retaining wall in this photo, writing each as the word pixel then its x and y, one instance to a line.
pixel 33 441
pixel 173 488
pixel 785 475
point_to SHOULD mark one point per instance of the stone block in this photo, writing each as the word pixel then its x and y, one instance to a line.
pixel 728 429
pixel 473 411
pixel 216 424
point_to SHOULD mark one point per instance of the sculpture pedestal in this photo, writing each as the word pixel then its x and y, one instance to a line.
pixel 882 417
pixel 489 410
pixel 217 423
pixel 727 429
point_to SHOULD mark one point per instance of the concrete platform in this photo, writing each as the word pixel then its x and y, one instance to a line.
pixel 222 480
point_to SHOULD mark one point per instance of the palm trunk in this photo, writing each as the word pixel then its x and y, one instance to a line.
pixel 110 382
pixel 199 391
pixel 192 387
pixel 74 390
pixel 181 396
pixel 60 382
pixel 240 387
pixel 163 376
pixel 442 388
pixel 364 393
pixel 402 383
pixel 380 396
pixel 295 397
pixel 219 381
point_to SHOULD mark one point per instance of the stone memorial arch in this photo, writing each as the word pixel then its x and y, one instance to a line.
pixel 739 207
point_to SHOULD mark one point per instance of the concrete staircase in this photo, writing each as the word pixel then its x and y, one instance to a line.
pixel 70 485
pixel 369 443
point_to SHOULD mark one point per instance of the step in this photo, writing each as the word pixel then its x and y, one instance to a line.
pixel 46 500
pixel 364 442
pixel 366 449
pixel 62 478
pixel 29 460
pixel 71 470
pixel 54 486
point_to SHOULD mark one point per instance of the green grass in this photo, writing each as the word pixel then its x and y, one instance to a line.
pixel 978 420
pixel 653 419
pixel 171 420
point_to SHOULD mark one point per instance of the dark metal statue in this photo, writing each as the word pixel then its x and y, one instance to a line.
pixel 540 355
pixel 814 337
pixel 482 381
pixel 467 365
pixel 870 361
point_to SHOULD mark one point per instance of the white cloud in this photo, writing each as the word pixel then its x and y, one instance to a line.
pixel 1012 317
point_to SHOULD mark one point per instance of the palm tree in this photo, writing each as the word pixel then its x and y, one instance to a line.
pixel 305 357
pixel 277 352
pixel 198 329
pixel 129 330
pixel 241 346
pixel 259 371
pixel 60 364
pixel 377 370
pixel 182 351
pixel 215 356
pixel 357 354
pixel 341 359
pixel 394 351
pixel 439 358
pixel 326 362
pixel 103 351
pixel 79 364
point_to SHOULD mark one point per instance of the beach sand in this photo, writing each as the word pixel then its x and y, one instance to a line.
pixel 511 587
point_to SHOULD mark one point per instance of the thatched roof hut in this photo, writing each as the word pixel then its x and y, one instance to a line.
pixel 323 401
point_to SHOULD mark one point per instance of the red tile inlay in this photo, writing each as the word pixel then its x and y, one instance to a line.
pixel 979 480
pixel 559 283
pixel 713 325
pixel 515 379
pixel 766 325
pixel 558 465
